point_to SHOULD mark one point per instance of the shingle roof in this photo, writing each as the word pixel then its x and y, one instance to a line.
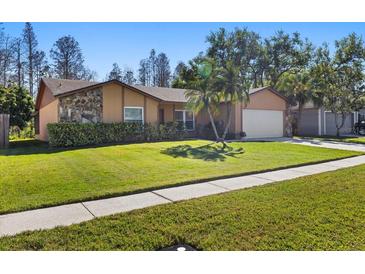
pixel 63 86
pixel 165 94
pixel 254 90
pixel 60 86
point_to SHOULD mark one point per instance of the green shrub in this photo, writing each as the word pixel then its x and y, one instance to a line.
pixel 77 134
pixel 16 133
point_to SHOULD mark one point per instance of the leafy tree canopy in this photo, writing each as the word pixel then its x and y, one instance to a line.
pixel 17 102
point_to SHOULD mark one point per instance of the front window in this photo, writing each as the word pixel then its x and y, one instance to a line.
pixel 185 119
pixel 133 114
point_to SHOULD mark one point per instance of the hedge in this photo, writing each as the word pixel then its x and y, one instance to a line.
pixel 78 134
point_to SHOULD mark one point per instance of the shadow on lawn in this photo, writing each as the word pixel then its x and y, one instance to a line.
pixel 32 146
pixel 27 147
pixel 210 152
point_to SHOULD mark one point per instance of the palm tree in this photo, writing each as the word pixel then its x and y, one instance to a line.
pixel 231 87
pixel 199 92
pixel 297 88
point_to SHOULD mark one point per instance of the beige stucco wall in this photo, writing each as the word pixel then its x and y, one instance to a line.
pixel 151 112
pixel 221 114
pixel 260 100
pixel 202 118
pixel 112 103
pixel 169 109
pixel 47 114
pixel 116 97
pixel 133 99
pixel 47 97
pixel 266 100
pixel 168 112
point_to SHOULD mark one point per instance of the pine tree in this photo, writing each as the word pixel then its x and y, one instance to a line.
pixel 68 59
pixel 31 44
pixel 163 72
pixel 128 77
pixel 115 73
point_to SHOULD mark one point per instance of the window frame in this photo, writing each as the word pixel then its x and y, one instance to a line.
pixel 184 118
pixel 126 107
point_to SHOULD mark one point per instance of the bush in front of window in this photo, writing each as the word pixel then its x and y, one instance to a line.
pixel 78 134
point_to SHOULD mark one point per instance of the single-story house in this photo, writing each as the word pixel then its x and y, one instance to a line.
pixel 317 121
pixel 62 100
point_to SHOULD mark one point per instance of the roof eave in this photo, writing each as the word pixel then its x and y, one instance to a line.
pixel 38 98
pixel 114 81
pixel 272 90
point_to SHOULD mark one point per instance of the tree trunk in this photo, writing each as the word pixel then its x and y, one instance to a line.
pixel 30 60
pixel 228 122
pixel 339 126
pixel 213 124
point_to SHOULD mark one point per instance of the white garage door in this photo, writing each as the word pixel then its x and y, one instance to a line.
pixel 259 123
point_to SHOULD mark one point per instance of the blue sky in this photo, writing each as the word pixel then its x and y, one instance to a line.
pixel 127 43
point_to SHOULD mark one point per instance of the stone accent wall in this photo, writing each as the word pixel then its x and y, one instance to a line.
pixel 82 107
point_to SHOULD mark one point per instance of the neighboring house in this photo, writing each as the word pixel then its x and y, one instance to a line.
pixel 316 121
pixel 61 100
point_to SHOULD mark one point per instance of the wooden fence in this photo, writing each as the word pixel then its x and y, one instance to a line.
pixel 4 130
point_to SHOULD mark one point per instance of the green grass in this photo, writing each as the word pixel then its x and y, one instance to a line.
pixel 319 212
pixel 34 176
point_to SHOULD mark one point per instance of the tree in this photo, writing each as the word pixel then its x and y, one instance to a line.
pixel 163 72
pixel 115 73
pixel 285 54
pixel 17 102
pixel 220 46
pixel 339 78
pixel 232 88
pixel 261 62
pixel 152 59
pixel 250 55
pixel 144 76
pixel 68 59
pixel 298 89
pixel 187 73
pixel 41 67
pixel 128 77
pixel 199 91
pixel 6 58
pixel 154 71
pixel 179 75
pixel 88 75
pixel 19 64
pixel 179 68
pixel 31 43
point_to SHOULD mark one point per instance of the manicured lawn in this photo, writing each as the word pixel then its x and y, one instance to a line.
pixel 320 212
pixel 34 175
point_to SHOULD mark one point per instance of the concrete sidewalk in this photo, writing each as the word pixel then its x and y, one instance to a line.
pixel 64 215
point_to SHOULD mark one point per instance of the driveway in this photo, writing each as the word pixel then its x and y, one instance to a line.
pixel 315 143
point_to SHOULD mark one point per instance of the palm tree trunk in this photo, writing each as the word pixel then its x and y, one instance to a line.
pixel 228 122
pixel 213 124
